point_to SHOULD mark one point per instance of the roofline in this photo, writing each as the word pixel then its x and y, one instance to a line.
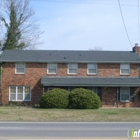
pixel 93 85
pixel 135 62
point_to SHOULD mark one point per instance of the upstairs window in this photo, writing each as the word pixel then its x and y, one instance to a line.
pixel 92 69
pixel 124 94
pixel 72 68
pixel 52 68
pixel 20 68
pixel 124 69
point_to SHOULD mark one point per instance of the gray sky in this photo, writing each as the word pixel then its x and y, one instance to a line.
pixel 85 24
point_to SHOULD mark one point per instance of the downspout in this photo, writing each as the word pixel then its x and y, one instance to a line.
pixel 1 71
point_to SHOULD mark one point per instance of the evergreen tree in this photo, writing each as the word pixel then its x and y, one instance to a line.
pixel 13 34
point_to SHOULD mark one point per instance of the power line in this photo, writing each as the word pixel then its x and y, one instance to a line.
pixel 84 2
pixel 124 23
pixel 138 21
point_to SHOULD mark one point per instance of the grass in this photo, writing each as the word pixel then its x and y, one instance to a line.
pixel 18 113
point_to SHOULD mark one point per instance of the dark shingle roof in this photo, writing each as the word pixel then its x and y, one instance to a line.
pixel 90 81
pixel 69 56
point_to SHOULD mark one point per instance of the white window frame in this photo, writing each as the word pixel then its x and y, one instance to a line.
pixel 16 67
pixel 122 68
pixel 88 68
pixel 16 98
pixel 122 93
pixel 68 70
pixel 48 65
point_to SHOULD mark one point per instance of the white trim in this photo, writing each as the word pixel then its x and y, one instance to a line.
pixel 16 98
pixel 88 69
pixel 16 68
pixel 48 68
pixel 129 95
pixel 68 68
pixel 127 69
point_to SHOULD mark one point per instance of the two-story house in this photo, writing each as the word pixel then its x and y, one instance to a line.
pixel 113 75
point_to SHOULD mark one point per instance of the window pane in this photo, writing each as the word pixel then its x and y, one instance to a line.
pixel 125 71
pixel 27 97
pixel 125 66
pixel 20 67
pixel 91 66
pixel 124 90
pixel 12 93
pixel 72 66
pixel 20 89
pixel 52 68
pixel 12 89
pixel 92 71
pixel 124 96
pixel 12 97
pixel 27 94
pixel 20 96
pixel 20 93
pixel 20 70
pixel 27 89
pixel 73 71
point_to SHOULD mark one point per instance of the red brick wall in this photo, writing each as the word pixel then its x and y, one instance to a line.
pixel 113 70
pixel 109 98
pixel 104 70
pixel 34 72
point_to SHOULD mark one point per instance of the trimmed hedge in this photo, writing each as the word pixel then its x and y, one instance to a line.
pixel 81 98
pixel 56 98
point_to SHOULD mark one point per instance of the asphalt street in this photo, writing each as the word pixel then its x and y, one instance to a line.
pixel 66 130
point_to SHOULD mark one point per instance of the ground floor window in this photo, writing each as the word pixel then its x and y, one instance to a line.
pixel 124 94
pixel 19 93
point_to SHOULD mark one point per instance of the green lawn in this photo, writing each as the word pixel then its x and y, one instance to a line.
pixel 17 113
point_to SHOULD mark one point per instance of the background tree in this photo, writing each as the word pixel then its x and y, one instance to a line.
pixel 21 30
pixel 96 48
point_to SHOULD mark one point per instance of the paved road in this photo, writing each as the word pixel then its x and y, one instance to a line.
pixel 66 130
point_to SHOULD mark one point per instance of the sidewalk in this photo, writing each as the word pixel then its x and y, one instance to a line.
pixel 66 139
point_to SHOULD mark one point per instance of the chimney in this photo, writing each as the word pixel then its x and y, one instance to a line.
pixel 136 49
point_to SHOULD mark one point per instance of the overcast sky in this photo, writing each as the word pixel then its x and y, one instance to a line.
pixel 86 24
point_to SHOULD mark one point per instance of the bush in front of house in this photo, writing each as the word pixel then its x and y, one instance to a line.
pixel 81 98
pixel 56 98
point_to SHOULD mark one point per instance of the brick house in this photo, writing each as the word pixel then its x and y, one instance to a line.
pixel 113 75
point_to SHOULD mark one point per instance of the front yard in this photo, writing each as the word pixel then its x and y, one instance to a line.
pixel 18 113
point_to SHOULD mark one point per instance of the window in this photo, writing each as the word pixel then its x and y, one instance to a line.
pixel 20 68
pixel 92 69
pixel 125 69
pixel 19 93
pixel 52 68
pixel 124 94
pixel 72 68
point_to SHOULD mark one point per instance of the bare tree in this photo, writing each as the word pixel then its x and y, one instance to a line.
pixel 96 48
pixel 21 28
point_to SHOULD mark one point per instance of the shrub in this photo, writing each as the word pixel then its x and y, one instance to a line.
pixel 81 98
pixel 56 98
